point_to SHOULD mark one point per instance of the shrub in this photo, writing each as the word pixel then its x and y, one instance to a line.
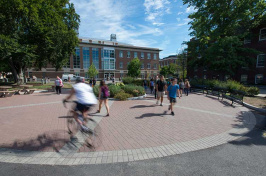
pixel 96 90
pixel 114 90
pixel 252 91
pixel 122 96
pixel 134 90
pixel 120 84
pixel 127 80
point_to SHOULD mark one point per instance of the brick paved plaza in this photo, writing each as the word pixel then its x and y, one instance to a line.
pixel 33 129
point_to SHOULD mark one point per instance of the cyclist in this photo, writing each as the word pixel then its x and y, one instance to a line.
pixel 85 99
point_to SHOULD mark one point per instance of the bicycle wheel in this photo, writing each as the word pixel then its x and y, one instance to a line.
pixel 72 125
pixel 93 139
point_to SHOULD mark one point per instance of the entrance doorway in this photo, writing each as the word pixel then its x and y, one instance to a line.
pixel 108 75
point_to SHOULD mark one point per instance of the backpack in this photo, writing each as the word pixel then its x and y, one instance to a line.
pixel 152 83
pixel 105 92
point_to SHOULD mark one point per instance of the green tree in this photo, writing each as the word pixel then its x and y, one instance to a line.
pixel 218 28
pixel 134 68
pixel 172 69
pixel 37 32
pixel 92 71
pixel 182 64
pixel 164 71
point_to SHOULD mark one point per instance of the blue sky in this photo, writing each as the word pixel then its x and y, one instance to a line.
pixel 149 23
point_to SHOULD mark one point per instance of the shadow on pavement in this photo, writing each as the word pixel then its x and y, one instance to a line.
pixel 257 136
pixel 152 115
pixel 49 141
pixel 142 106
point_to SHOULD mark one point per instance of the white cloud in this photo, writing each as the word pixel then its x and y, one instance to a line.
pixel 156 9
pixel 190 9
pixel 178 19
pixel 185 22
pixel 179 13
pixel 99 20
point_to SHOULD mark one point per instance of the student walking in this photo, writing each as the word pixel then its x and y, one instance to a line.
pixel 187 86
pixel 58 85
pixel 181 87
pixel 160 88
pixel 145 84
pixel 155 91
pixel 171 94
pixel 103 96
pixel 152 85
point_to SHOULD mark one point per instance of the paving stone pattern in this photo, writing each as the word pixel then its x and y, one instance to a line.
pixel 33 129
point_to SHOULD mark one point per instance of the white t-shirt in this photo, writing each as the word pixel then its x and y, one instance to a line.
pixel 84 94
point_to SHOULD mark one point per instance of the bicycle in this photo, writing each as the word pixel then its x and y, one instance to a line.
pixel 91 135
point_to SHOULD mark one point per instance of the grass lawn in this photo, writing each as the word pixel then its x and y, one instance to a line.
pixel 259 102
pixel 48 86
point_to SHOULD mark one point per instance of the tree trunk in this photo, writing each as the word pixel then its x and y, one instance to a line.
pixel 13 70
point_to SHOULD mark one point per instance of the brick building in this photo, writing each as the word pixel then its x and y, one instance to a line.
pixel 253 75
pixel 168 60
pixel 110 57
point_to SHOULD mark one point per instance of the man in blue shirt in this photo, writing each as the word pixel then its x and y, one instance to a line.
pixel 171 94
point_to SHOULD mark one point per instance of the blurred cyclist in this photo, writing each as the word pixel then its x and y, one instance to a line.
pixel 85 99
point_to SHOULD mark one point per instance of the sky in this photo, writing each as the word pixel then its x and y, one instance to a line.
pixel 159 24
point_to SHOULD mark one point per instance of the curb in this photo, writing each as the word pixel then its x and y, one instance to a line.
pixel 254 108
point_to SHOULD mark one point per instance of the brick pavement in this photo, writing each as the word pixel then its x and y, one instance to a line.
pixel 33 129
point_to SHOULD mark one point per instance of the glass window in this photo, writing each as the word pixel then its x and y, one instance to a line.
pixel 77 73
pixel 112 53
pixel 127 63
pixel 142 66
pixel 128 54
pixel 261 60
pixel 263 34
pixel 258 79
pixel 149 55
pixel 95 57
pixel 76 58
pixel 247 39
pixel 154 66
pixel 120 64
pixel 244 78
pixel 204 77
pixel 135 54
pixel 148 66
pixel 86 57
pixel 154 56
pixel 142 55
pixel 120 53
pixel 67 65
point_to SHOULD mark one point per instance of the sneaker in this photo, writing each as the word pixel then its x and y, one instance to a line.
pixel 157 102
pixel 161 104
pixel 172 113
pixel 84 128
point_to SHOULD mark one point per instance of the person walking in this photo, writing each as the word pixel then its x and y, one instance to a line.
pixel 155 91
pixel 160 88
pixel 103 96
pixel 58 85
pixel 171 94
pixel 152 85
pixel 90 82
pixel 145 84
pixel 187 86
pixel 181 86
pixel 94 82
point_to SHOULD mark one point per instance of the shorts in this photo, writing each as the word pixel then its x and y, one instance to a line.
pixel 172 100
pixel 160 94
pixel 82 107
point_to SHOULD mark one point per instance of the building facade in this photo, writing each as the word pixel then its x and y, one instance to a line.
pixel 166 61
pixel 253 75
pixel 109 57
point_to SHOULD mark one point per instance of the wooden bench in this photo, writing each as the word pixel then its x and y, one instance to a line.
pixel 7 93
pixel 235 96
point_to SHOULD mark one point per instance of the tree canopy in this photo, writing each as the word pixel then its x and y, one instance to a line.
pixel 92 71
pixel 219 28
pixel 36 33
pixel 134 68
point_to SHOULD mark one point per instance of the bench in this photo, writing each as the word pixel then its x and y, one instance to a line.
pixel 235 96
pixel 198 88
pixel 7 93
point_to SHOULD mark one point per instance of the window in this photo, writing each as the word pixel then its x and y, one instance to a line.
pixel 148 66
pixel 128 63
pixel 149 55
pixel 95 57
pixel 135 54
pixel 154 66
pixel 258 79
pixel 86 57
pixel 154 56
pixel 108 59
pixel 67 65
pixel 247 39
pixel 244 78
pixel 261 60
pixel 77 73
pixel 120 64
pixel 204 76
pixel 120 53
pixel 142 55
pixel 142 76
pixel 142 66
pixel 76 58
pixel 128 54
pixel 263 34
